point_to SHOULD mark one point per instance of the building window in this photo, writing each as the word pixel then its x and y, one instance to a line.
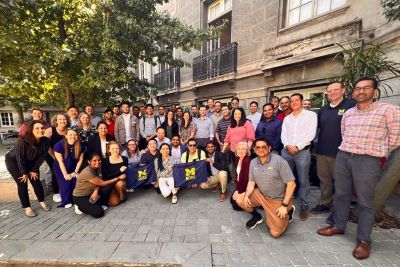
pixel 7 119
pixel 302 10
pixel 218 8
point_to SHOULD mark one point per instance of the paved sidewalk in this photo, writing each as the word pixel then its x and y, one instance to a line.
pixel 198 231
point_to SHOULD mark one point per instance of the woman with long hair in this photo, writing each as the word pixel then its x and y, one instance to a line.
pixel 242 164
pixel 91 192
pixel 163 165
pixel 98 142
pixel 69 157
pixel 85 127
pixel 23 162
pixel 55 133
pixel 170 126
pixel 132 153
pixel 114 166
pixel 188 129
pixel 240 130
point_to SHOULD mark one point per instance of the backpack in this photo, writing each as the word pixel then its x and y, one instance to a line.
pixel 144 121
pixel 198 155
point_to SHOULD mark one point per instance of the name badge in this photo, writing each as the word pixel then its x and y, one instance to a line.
pixel 341 111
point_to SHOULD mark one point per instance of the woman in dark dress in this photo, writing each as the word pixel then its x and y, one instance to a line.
pixel 69 157
pixel 170 126
pixel 242 164
pixel 85 128
pixel 114 166
pixel 56 133
pixel 23 162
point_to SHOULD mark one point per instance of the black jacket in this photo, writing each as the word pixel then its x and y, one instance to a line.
pixel 175 128
pixel 94 144
pixel 219 162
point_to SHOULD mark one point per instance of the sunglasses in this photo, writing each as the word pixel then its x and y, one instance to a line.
pixel 192 145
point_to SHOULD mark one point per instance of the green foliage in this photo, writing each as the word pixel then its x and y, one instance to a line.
pixel 90 48
pixel 364 61
pixel 391 9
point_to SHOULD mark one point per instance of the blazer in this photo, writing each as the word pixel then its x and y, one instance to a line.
pixel 219 162
pixel 243 177
pixel 120 131
pixel 175 128
pixel 94 144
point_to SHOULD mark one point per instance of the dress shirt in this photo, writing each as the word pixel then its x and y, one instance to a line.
pixel 205 128
pixel 214 171
pixel 254 118
pixel 299 130
pixel 127 118
pixel 374 132
pixel 166 140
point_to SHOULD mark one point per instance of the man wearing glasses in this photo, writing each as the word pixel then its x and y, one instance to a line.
pixel 193 153
pixel 370 131
pixel 275 186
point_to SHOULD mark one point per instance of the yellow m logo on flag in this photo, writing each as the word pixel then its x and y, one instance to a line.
pixel 190 173
pixel 142 175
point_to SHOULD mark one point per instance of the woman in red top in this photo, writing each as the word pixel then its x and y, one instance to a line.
pixel 242 164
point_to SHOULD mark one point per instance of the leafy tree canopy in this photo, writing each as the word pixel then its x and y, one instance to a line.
pixel 51 50
pixel 391 9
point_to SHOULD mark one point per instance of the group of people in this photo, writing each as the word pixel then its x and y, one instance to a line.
pixel 267 155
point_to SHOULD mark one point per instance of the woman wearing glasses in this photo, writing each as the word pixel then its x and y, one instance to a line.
pixel 132 153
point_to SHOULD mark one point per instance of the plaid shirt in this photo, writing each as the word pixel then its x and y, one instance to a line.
pixel 374 132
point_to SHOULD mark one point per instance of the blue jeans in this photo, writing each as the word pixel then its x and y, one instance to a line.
pixel 302 162
pixel 363 173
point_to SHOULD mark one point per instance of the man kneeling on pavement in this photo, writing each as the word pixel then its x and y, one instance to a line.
pixel 275 186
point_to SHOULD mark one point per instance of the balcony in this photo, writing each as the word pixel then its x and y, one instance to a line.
pixel 215 63
pixel 168 80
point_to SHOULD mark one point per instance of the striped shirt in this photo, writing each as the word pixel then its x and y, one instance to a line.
pixel 374 132
pixel 222 128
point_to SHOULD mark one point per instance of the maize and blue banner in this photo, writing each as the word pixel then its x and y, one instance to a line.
pixel 186 174
pixel 140 176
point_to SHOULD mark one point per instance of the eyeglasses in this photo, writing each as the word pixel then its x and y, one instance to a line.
pixel 365 88
pixel 261 147
pixel 131 144
pixel 192 145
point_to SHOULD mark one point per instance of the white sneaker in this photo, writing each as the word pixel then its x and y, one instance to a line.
pixel 174 199
pixel 57 198
pixel 104 207
pixel 68 206
pixel 77 210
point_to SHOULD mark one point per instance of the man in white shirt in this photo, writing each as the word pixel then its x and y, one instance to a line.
pixel 160 137
pixel 298 131
pixel 254 116
pixel 126 126
pixel 177 149
pixel 161 114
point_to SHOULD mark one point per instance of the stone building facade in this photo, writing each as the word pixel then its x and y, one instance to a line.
pixel 272 47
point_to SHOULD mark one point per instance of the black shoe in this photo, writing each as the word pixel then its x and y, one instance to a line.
pixel 331 219
pixel 291 212
pixel 320 208
pixel 253 222
pixel 157 190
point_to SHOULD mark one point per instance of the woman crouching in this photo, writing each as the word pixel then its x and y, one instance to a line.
pixel 163 165
pixel 91 193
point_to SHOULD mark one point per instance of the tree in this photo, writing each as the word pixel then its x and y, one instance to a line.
pixel 54 50
pixel 364 61
pixel 391 9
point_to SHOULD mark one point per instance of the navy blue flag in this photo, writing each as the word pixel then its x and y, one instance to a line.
pixel 190 173
pixel 140 175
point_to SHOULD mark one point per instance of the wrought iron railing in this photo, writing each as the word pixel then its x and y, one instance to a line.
pixel 168 79
pixel 215 63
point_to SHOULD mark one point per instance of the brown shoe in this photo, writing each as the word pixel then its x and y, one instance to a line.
pixel 330 230
pixel 303 214
pixel 362 250
pixel 216 189
pixel 222 197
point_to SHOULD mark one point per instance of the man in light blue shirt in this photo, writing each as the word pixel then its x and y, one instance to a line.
pixel 254 116
pixel 205 128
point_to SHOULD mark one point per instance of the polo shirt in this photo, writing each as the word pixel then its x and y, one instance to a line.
pixel 272 176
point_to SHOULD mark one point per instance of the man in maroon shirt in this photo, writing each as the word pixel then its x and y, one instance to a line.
pixel 285 106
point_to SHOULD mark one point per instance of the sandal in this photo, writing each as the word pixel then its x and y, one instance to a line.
pixel 30 213
pixel 45 207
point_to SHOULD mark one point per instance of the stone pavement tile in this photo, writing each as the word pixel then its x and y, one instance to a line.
pixel 65 236
pixel 216 238
pixel 329 258
pixel 8 248
pixel 136 252
pixel 177 238
pixel 138 237
pixel 52 236
pixel 93 251
pixel 115 236
pixel 297 259
pixel 44 250
pixel 143 229
pixel 190 238
pixel 126 237
pixel 203 238
pixel 152 237
pixel 219 259
pixel 77 236
pixel 282 259
pixel 89 237
pixel 41 235
pixel 131 228
pixel 267 259
pixel 394 258
pixel 164 237
pixel 155 228
pixel 187 254
pixel 190 229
